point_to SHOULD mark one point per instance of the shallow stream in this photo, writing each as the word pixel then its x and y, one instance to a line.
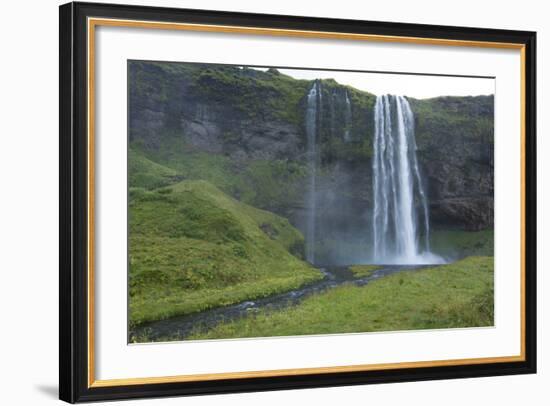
pixel 179 328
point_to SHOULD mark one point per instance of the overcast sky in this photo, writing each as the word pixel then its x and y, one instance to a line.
pixel 417 86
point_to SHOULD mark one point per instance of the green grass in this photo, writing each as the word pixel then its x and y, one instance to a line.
pixel 458 244
pixel 147 174
pixel 254 93
pixel 440 117
pixel 192 247
pixel 361 271
pixel 186 162
pixel 274 185
pixel 251 92
pixel 455 295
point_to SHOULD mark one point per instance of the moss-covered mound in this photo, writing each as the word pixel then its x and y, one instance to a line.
pixel 192 247
pixel 142 172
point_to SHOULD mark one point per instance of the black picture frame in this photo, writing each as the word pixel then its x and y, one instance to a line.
pixel 74 385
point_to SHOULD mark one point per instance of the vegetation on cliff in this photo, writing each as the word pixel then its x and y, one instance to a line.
pixel 440 117
pixel 275 185
pixel 253 93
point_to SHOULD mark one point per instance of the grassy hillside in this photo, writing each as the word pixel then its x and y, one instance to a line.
pixel 455 295
pixel 145 173
pixel 274 185
pixel 192 247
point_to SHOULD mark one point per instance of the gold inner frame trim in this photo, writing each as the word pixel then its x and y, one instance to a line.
pixel 94 22
pixel 299 371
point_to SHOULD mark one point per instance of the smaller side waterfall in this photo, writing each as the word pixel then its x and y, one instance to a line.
pixel 333 100
pixel 409 128
pixel 347 119
pixel 311 119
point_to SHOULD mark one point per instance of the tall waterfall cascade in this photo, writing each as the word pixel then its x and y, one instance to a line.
pixel 400 217
pixel 311 120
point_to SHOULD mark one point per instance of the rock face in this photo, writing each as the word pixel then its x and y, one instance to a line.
pixel 249 116
pixel 456 148
pixel 470 213
pixel 212 131
pixel 197 107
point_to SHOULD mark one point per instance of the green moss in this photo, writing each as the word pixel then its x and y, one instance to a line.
pixel 192 248
pixel 458 243
pixel 449 296
pixel 361 271
pixel 334 125
pixel 254 93
pixel 191 163
pixel 440 117
pixel 273 185
pixel 147 174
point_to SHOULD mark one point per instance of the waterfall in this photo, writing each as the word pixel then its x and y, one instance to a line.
pixel 313 102
pixel 347 119
pixel 397 184
pixel 332 106
pixel 409 125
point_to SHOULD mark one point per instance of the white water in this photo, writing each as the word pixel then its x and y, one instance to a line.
pixel 396 183
pixel 313 99
pixel 347 117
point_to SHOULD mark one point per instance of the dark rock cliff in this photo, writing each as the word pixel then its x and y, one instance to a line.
pixel 456 148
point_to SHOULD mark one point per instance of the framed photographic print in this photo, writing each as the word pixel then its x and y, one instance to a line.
pixel 256 202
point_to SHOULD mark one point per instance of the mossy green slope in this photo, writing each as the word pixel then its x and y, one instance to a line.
pixel 142 172
pixel 192 247
pixel 455 295
pixel 274 185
